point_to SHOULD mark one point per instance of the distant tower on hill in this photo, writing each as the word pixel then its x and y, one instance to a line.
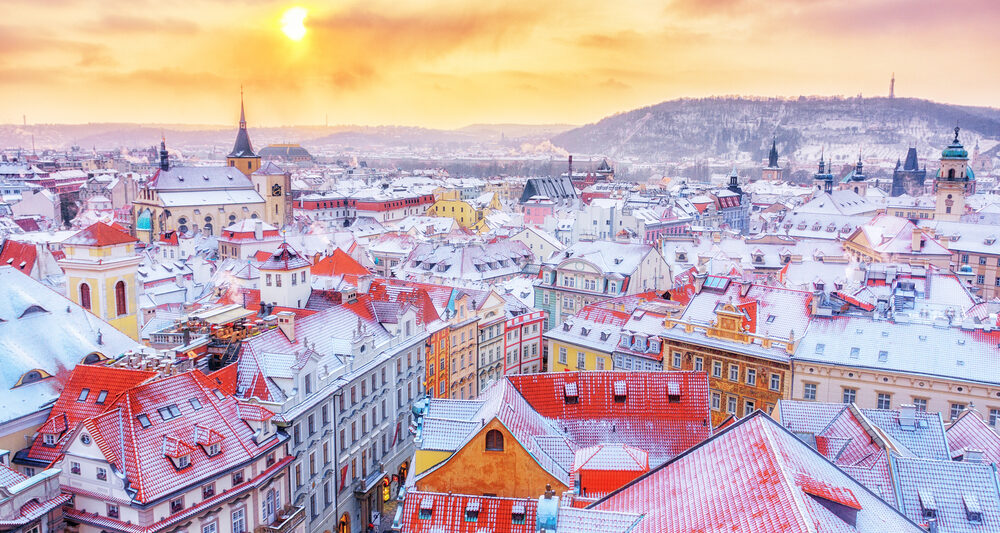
pixel 772 171
pixel 892 86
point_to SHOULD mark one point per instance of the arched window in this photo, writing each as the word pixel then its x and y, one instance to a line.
pixel 494 441
pixel 951 173
pixel 85 296
pixel 120 298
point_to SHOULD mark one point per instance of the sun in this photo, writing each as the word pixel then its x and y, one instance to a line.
pixel 293 23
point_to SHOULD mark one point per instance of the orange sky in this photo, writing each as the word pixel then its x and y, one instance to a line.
pixel 449 63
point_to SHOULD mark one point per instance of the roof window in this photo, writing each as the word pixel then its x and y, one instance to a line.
pixel 570 393
pixel 169 412
pixel 620 391
pixel 143 421
pixel 83 395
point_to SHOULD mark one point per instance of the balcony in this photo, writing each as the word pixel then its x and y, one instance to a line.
pixel 288 518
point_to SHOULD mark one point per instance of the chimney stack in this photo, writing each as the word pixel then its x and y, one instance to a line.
pixel 971 455
pixel 571 166
pixel 258 230
pixel 286 323
pixel 918 240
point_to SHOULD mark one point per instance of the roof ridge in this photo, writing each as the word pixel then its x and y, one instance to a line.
pixel 782 467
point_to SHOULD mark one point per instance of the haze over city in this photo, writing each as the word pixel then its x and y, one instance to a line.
pixel 449 63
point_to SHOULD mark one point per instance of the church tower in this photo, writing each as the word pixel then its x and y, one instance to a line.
pixel 823 180
pixel 772 171
pixel 101 267
pixel 275 185
pixel 953 182
pixel 243 157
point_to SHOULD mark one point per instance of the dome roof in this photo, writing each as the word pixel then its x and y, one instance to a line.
pixel 955 150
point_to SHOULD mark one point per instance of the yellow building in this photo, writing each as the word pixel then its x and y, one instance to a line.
pixel 100 267
pixel 469 214
pixel 585 341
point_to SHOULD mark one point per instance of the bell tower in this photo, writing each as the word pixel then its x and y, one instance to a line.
pixel 243 157
pixel 953 182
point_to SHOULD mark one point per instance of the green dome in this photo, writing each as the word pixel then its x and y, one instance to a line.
pixel 955 150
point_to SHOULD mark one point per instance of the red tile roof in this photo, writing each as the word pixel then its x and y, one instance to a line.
pixel 970 432
pixel 68 412
pixel 100 234
pixel 447 513
pixel 27 224
pixel 339 264
pixel 19 255
pixel 644 419
pixel 169 237
pixel 753 476
pixel 140 452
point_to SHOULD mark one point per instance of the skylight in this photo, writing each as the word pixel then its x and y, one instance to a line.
pixel 143 421
pixel 83 395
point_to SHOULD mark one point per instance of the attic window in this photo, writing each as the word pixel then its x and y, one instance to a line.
pixel 820 348
pixel 770 319
pixel 927 504
pixel 973 511
pixel 883 356
pixel 195 403
pixel 605 335
pixel 620 392
pixel 169 412
pixel 673 392
pixel 472 511
pixel 143 421
pixel 517 513
pixel 855 352
pixel 219 395
pixel 101 396
pixel 213 449
pixel 426 508
pixel 570 393
pixel 182 462
pixel 567 326
pixel 49 439
pixel 83 395
pixel 32 309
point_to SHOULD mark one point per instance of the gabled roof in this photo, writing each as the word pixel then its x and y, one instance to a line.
pixel 611 457
pixel 19 255
pixel 753 476
pixel 103 385
pixel 644 418
pixel 339 264
pixel 952 488
pixel 142 453
pixel 99 234
pixel 285 258
pixel 970 432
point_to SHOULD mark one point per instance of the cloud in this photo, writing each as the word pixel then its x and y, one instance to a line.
pixel 119 23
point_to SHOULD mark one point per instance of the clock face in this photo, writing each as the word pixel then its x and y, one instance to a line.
pixel 276 190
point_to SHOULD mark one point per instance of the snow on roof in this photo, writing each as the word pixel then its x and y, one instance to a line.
pixel 99 234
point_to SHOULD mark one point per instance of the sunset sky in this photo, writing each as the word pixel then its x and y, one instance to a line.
pixel 449 63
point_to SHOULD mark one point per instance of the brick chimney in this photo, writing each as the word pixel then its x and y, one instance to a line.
pixel 286 323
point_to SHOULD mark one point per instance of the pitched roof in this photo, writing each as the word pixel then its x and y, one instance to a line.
pixel 338 264
pixel 19 255
pixel 753 476
pixel 285 258
pixel 103 385
pixel 952 488
pixel 142 452
pixel 970 432
pixel 99 234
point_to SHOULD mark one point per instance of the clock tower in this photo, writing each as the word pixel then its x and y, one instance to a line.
pixel 954 181
pixel 275 185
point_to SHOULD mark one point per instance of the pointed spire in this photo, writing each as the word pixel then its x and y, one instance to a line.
pixel 772 156
pixel 243 116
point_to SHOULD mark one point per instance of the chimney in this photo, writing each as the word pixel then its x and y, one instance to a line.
pixel 972 456
pixel 908 417
pixel 571 166
pixel 258 230
pixel 286 323
pixel 918 240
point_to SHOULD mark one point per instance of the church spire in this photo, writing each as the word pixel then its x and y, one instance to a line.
pixel 772 156
pixel 164 156
pixel 242 148
pixel 243 116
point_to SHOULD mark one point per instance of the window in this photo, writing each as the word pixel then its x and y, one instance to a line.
pixel 731 405
pixel 809 391
pixel 699 364
pixel 494 441
pixel 748 407
pixel 311 422
pixel 716 401
pixel 600 363
pixel 143 421
pixel 83 395
pixel 277 280
pixel 207 491
pixel 267 279
pixel 102 473
pixel 183 461
pixel 734 372
pixel 85 296
pixel 677 360
pixel 884 401
pixel 562 355
pixel 177 505
pixel 239 521
pixel 994 416
pixel 850 395
pixel 120 298
pixel 210 528
pixel 112 511
pixel 74 468
pixel 752 377
pixel 956 410
pixel 581 360
pixel 237 477
pixel 716 369
pixel 920 404
pixel 49 439
pixel 309 384
pixel 297 434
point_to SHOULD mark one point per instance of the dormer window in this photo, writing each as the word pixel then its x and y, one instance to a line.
pixel 758 259
pixel 213 449
pixel 928 506
pixel 182 462
pixel 973 511
pixel 49 439
pixel 570 393
pixel 426 508
pixel 620 392
pixel 673 392
pixel 517 513
pixel 472 511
